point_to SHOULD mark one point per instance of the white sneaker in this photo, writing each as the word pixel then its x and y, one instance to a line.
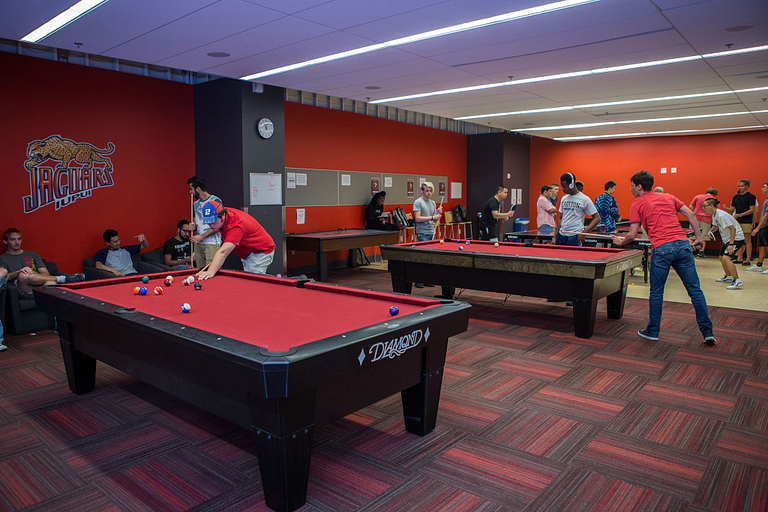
pixel 765 272
pixel 736 285
pixel 725 279
pixel 2 347
pixel 754 268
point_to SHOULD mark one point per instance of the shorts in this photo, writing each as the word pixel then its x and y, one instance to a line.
pixel 705 226
pixel 762 237
pixel 257 263
pixel 736 246
pixel 746 228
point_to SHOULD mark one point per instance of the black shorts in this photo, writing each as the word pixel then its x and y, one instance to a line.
pixel 736 246
pixel 762 236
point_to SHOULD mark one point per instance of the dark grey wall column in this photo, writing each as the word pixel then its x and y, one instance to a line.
pixel 495 159
pixel 228 149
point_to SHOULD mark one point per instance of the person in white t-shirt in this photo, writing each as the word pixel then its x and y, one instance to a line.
pixel 574 206
pixel 733 240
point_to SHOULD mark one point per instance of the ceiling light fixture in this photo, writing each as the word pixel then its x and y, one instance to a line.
pixel 485 22
pixel 635 121
pixel 573 74
pixel 610 103
pixel 218 55
pixel 671 132
pixel 78 10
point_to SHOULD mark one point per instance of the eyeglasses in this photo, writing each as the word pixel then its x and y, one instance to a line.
pixel 186 230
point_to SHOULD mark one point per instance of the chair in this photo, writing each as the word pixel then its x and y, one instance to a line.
pixel 92 273
pixel 22 314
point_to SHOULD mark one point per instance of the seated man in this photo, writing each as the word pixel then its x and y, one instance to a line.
pixel 26 268
pixel 116 259
pixel 178 250
pixel 3 281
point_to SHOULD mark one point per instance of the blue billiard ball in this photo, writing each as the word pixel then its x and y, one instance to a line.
pixel 142 291
pixel 185 308
pixel 145 279
pixel 393 310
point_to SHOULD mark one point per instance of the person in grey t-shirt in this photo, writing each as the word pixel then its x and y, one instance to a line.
pixel 116 259
pixel 425 213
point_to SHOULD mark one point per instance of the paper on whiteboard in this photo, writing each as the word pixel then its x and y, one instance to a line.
pixel 301 179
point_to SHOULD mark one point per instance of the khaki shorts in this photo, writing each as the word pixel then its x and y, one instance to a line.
pixel 746 228
pixel 705 227
pixel 204 254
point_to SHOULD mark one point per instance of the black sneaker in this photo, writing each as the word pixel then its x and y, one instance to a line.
pixel 647 335
pixel 709 338
pixel 746 263
pixel 418 285
pixel 75 278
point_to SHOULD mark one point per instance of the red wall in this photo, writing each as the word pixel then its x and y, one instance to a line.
pixel 702 161
pixel 149 121
pixel 319 138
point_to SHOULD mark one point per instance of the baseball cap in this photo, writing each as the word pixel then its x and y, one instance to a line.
pixel 211 211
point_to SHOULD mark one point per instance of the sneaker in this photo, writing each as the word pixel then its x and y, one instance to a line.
pixel 700 255
pixel 755 268
pixel 647 335
pixel 2 347
pixel 765 272
pixel 709 338
pixel 745 263
pixel 75 278
pixel 418 285
pixel 736 285
pixel 724 279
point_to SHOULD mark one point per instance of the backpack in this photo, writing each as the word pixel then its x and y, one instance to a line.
pixel 357 258
pixel 398 214
pixel 459 214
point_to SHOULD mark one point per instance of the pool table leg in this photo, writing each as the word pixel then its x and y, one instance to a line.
pixel 447 292
pixel 283 448
pixel 397 271
pixel 584 314
pixel 80 368
pixel 616 300
pixel 322 266
pixel 420 402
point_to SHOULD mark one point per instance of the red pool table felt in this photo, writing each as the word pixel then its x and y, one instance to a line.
pixel 519 249
pixel 260 310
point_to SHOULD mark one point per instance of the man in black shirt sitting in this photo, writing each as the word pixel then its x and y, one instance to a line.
pixel 491 214
pixel 177 250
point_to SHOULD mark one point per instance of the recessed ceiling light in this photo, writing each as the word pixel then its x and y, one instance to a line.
pixel 739 28
pixel 373 87
pixel 218 55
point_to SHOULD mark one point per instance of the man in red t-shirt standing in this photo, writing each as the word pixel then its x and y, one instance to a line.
pixel 705 220
pixel 239 233
pixel 658 215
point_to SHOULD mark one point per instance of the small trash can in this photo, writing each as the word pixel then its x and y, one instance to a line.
pixel 521 224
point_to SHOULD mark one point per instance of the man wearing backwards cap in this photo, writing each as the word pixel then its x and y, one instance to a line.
pixel 240 233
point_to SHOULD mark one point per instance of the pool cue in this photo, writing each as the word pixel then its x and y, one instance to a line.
pixel 588 235
pixel 191 245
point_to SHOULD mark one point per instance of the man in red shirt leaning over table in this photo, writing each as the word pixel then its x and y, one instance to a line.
pixel 657 212
pixel 239 233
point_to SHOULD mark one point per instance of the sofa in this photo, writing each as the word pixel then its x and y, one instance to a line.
pixel 22 315
pixel 92 273
pixel 156 258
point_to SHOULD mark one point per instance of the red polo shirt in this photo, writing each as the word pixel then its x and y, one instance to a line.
pixel 241 229
pixel 658 215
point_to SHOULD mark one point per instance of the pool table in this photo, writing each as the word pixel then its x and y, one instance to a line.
pixel 277 356
pixel 579 274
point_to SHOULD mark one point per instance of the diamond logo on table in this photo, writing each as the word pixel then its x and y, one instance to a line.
pixel 397 346
pixel 361 357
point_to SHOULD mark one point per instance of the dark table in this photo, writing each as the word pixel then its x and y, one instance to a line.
pixel 581 274
pixel 323 242
pixel 276 356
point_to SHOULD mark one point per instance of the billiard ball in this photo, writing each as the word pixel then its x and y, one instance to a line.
pixel 442 241
pixel 496 244
pixel 136 290
pixel 185 308
pixel 145 279
pixel 467 242
pixel 393 310
pixel 158 290
pixel 142 291
pixel 198 286
pixel 461 247
pixel 191 279
pixel 169 278
pixel 185 282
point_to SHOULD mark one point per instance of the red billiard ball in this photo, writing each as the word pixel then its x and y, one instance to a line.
pixel 168 281
pixel 158 290
pixel 393 310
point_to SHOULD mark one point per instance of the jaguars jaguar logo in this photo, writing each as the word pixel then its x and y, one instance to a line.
pixel 78 169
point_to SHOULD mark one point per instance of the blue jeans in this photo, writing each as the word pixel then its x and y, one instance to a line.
pixel 424 237
pixel 546 228
pixel 567 240
pixel 679 256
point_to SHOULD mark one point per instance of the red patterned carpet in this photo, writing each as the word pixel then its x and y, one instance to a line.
pixel 531 418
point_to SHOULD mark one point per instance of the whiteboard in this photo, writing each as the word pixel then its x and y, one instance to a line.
pixel 266 189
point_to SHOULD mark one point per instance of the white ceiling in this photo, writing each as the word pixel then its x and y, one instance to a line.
pixel 264 34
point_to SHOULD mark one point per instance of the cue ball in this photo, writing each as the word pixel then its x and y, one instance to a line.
pixel 393 310
pixel 461 248
pixel 198 286
pixel 142 291
pixel 496 244
pixel 191 279
pixel 169 278
pixel 137 290
pixel 145 279
pixel 185 308
pixel 158 290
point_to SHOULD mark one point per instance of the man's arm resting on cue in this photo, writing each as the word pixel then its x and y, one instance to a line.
pixel 217 262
